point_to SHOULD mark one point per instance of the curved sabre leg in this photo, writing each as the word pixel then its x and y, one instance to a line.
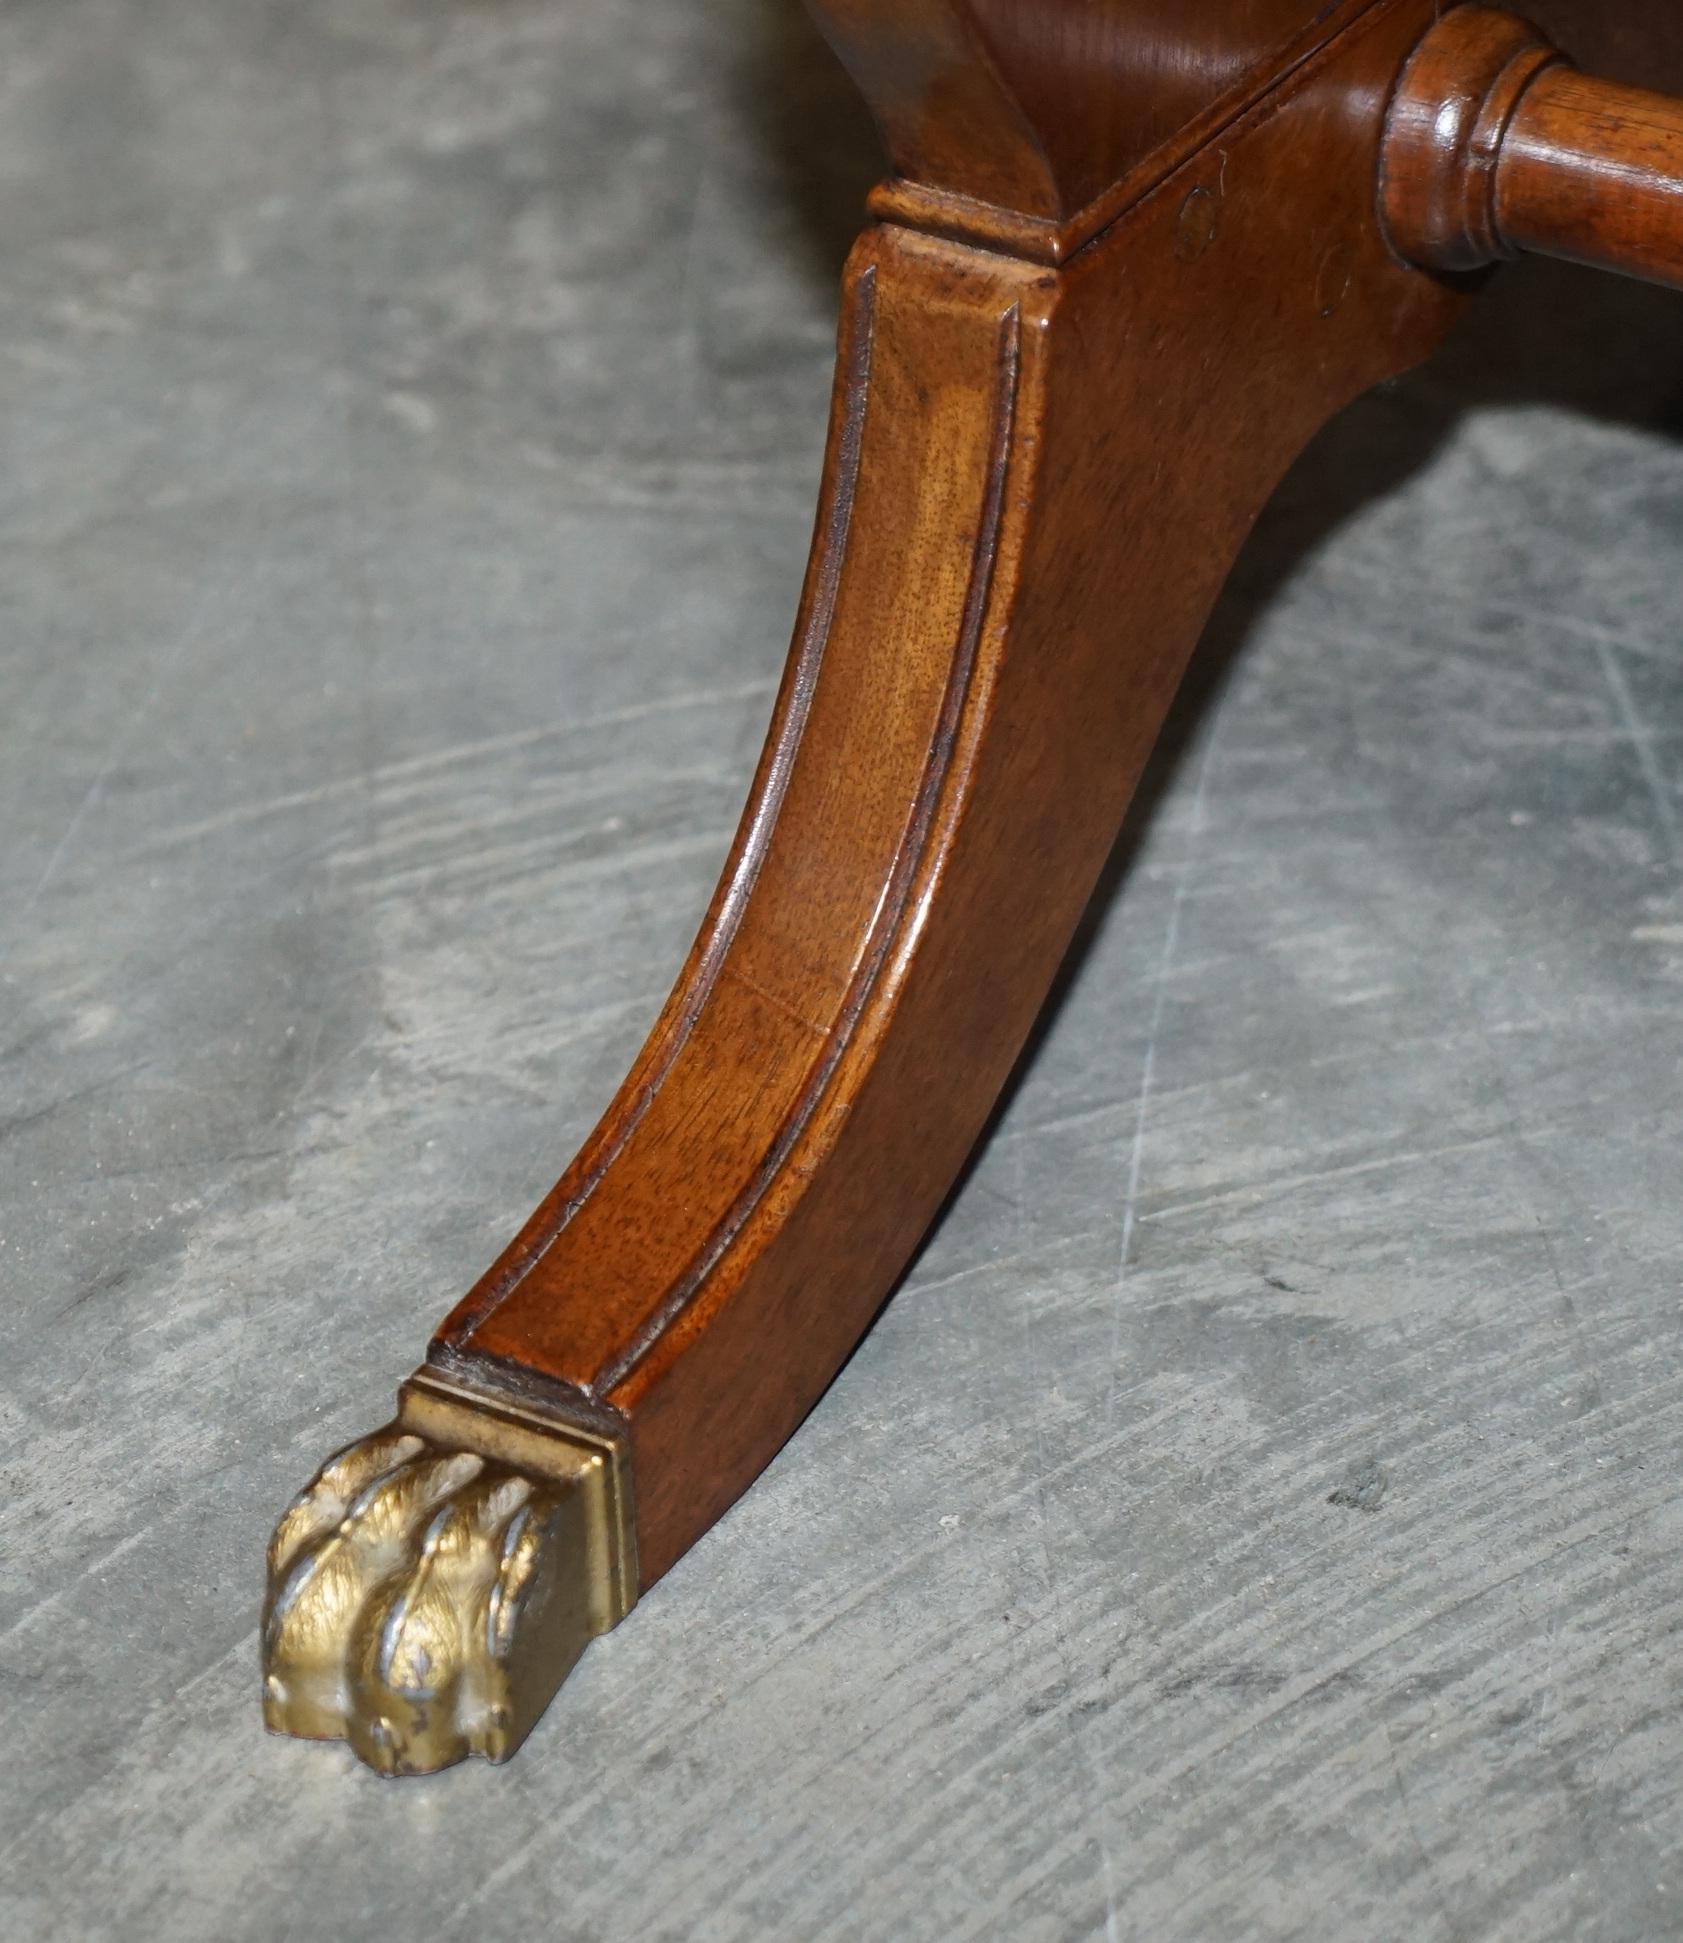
pixel 1038 477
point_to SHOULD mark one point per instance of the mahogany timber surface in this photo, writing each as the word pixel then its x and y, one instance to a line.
pixel 1037 484
pixel 1593 172
pixel 1038 108
pixel 1031 123
pixel 1496 144
pixel 366 777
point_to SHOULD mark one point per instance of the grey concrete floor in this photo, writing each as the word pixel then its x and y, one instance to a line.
pixel 1257 1515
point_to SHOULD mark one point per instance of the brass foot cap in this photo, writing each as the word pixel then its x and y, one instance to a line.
pixel 425 1602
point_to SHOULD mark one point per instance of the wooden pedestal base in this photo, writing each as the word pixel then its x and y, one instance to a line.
pixel 1072 369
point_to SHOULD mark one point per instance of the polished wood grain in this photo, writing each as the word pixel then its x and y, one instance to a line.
pixel 1593 172
pixel 1037 482
pixel 1027 124
pixel 1134 258
pixel 1496 145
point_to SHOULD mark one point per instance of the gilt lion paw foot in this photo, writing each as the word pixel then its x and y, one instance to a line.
pixel 424 1602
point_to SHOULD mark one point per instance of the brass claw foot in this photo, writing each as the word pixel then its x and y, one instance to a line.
pixel 435 1583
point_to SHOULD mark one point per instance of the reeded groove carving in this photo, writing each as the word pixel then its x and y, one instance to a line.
pixel 897 889
pixel 736 886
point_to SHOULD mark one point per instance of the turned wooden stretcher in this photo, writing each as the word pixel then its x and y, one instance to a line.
pixel 1132 254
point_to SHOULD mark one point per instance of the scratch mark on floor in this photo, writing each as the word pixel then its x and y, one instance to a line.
pixel 44 1604
pixel 1642 739
pixel 454 753
pixel 1148 1071
pixel 1289 1183
pixel 131 724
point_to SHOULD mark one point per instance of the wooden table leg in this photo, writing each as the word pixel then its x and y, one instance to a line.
pixel 1057 414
